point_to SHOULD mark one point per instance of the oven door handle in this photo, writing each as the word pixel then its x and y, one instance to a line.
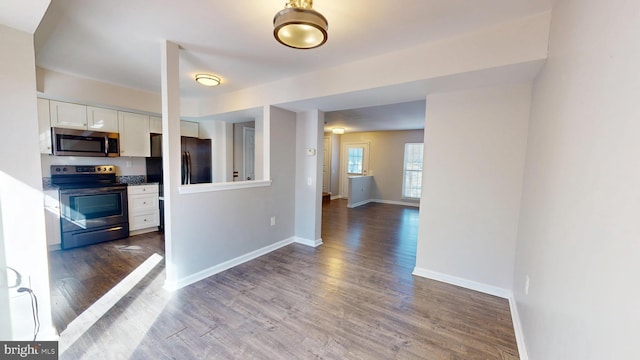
pixel 94 191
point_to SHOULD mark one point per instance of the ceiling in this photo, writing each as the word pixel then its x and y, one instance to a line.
pixel 119 42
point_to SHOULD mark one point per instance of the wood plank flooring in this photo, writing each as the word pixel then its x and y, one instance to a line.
pixel 352 298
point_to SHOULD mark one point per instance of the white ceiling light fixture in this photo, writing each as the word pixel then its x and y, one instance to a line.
pixel 338 131
pixel 299 26
pixel 207 80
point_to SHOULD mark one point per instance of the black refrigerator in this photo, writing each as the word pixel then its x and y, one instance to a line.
pixel 196 160
pixel 196 164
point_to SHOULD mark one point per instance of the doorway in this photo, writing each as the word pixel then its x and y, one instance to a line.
pixel 326 166
pixel 249 141
pixel 355 162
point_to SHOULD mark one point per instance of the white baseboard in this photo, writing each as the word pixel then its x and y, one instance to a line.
pixel 487 289
pixel 307 242
pixel 203 274
pixel 334 197
pixel 359 204
pixel 390 202
pixel 517 328
pixel 465 283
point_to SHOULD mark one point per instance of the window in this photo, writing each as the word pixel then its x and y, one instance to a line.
pixel 412 182
pixel 354 161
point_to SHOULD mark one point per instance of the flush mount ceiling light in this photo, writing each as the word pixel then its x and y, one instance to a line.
pixel 207 79
pixel 338 130
pixel 299 26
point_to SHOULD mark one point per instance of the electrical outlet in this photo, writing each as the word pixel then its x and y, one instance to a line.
pixel 273 221
pixel 526 285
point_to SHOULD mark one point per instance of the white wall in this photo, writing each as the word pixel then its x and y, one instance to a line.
pixel 473 166
pixel 579 231
pixel 211 228
pixel 386 160
pixel 55 85
pixel 21 199
pixel 308 176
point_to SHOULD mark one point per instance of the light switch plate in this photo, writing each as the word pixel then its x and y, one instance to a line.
pixel 311 152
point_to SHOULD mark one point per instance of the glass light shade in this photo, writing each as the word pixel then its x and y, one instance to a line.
pixel 207 80
pixel 300 28
pixel 338 130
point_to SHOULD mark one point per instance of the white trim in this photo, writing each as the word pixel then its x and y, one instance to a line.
pixel 335 197
pixel 203 274
pixel 465 283
pixel 402 203
pixel 359 204
pixel 389 202
pixel 517 328
pixel 200 188
pixel 308 242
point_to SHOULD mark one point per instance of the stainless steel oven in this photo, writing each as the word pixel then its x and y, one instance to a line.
pixel 93 206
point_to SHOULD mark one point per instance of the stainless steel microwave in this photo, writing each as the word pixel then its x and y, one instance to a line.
pixel 69 142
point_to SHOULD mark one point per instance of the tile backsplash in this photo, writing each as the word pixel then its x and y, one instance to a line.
pixel 132 179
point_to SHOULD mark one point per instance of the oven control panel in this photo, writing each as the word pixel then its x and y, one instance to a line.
pixel 82 169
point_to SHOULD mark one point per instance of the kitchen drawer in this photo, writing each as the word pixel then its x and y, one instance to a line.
pixel 144 221
pixel 143 189
pixel 143 203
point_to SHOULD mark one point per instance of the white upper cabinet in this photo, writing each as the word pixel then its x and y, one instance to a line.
pixel 134 134
pixel 155 125
pixel 44 126
pixel 68 115
pixel 188 128
pixel 100 119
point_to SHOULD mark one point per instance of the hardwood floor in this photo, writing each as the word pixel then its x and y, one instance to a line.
pixel 352 298
pixel 78 277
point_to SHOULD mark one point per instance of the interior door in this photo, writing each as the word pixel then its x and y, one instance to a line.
pixel 326 165
pixel 355 162
pixel 249 157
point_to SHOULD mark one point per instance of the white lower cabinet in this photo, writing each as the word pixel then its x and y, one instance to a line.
pixel 144 209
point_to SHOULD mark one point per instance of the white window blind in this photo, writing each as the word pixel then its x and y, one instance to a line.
pixel 412 182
